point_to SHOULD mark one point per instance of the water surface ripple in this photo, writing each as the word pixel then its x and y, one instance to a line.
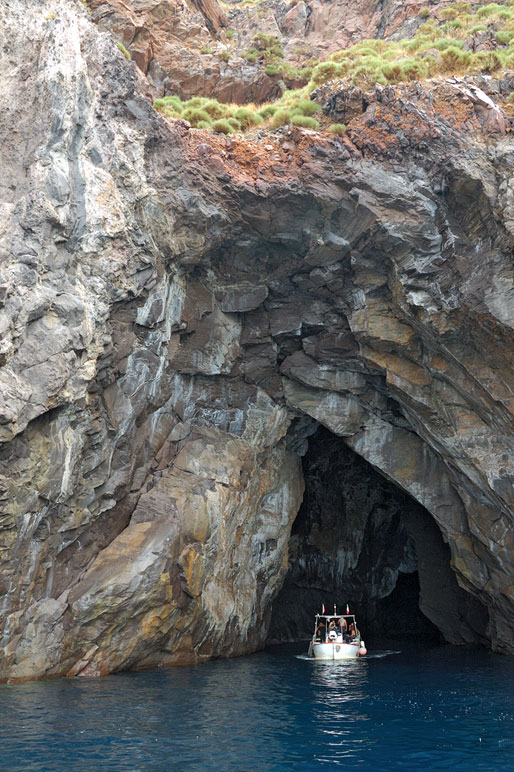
pixel 436 708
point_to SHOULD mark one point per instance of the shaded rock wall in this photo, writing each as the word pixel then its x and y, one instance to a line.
pixel 359 539
pixel 174 303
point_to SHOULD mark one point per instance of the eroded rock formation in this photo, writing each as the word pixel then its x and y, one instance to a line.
pixel 174 304
pixel 359 539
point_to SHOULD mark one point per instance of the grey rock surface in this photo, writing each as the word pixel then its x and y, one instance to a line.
pixel 173 303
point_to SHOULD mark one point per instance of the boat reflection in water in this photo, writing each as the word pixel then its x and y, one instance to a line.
pixel 340 689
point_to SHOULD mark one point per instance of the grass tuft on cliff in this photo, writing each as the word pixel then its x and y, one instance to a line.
pixel 458 39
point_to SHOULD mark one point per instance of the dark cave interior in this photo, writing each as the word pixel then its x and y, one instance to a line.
pixel 359 539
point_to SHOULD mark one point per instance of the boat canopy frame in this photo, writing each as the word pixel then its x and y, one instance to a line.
pixel 336 616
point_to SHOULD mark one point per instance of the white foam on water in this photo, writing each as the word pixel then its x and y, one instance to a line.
pixel 380 654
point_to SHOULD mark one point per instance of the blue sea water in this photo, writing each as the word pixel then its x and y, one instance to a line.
pixel 409 708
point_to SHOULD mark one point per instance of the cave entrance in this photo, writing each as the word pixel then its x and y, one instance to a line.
pixel 361 540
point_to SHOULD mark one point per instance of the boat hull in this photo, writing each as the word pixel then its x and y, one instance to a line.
pixel 335 650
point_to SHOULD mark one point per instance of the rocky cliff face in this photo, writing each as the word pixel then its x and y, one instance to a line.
pixel 194 47
pixel 180 311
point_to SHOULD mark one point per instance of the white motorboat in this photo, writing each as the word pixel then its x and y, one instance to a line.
pixel 336 636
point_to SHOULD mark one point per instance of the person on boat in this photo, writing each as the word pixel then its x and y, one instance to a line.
pixel 351 631
pixel 333 629
pixel 321 629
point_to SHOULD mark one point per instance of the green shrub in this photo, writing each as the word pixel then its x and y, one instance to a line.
pixel 488 61
pixel 222 126
pixel 267 112
pixel 392 54
pixel 194 115
pixel 419 43
pixel 206 50
pixel 437 47
pixel 280 118
pixel 171 106
pixel 392 72
pixel 429 28
pixel 268 44
pixel 292 95
pixel 363 51
pixel 175 101
pixel 444 43
pixel 273 69
pixel 305 73
pixel 215 109
pixel 339 56
pixel 414 69
pixel 368 74
pixel 323 72
pixel 337 128
pixel 224 56
pixel 195 102
pixel 304 121
pixel 247 117
pixel 488 10
pixel 170 112
pixel 306 107
pixel 453 58
pixel 504 36
pixel 203 125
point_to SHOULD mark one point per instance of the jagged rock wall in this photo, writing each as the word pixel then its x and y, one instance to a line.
pixel 177 43
pixel 92 416
pixel 173 302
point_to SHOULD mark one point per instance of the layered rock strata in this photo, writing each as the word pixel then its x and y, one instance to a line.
pixel 173 304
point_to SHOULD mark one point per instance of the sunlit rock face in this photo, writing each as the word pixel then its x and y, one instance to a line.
pixel 177 43
pixel 179 309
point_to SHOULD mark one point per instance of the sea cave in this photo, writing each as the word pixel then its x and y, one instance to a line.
pixel 358 539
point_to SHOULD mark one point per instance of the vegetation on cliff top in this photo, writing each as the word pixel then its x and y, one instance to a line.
pixel 457 39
